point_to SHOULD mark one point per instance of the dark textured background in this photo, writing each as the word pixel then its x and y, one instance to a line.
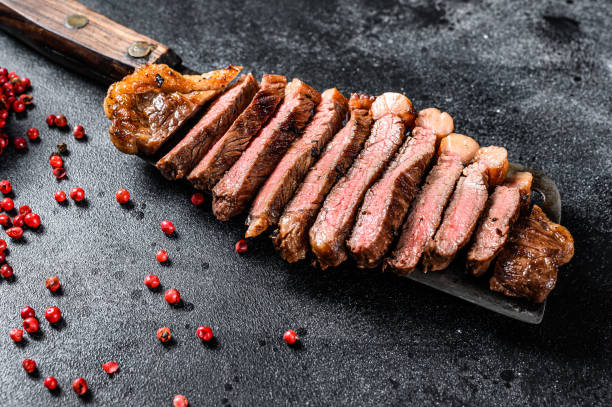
pixel 535 77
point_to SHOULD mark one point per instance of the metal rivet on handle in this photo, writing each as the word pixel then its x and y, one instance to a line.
pixel 139 49
pixel 76 21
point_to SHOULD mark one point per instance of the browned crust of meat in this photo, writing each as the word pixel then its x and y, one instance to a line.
pixel 291 238
pixel 527 266
pixel 228 149
pixel 239 185
pixel 223 111
pixel 284 180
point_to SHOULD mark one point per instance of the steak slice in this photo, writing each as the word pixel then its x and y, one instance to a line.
pixel 426 212
pixel 467 203
pixel 528 264
pixel 221 114
pixel 393 112
pixel 503 209
pixel 386 204
pixel 291 237
pixel 238 186
pixel 283 182
pixel 523 181
pixel 230 146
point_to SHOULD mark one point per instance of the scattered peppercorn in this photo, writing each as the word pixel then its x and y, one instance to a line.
pixel 5 220
pixel 164 334
pixel 16 334
pixel 27 312
pixel 28 365
pixel 2 245
pixel 5 186
pixel 52 284
pixel 53 314
pixel 79 132
pixel 50 120
pixel 6 271
pixel 77 194
pixel 18 221
pixel 7 204
pixel 290 337
pixel 32 133
pixel 60 121
pixel 56 161
pixel 30 325
pixel 151 281
pixel 18 105
pixel 204 333
pixel 110 367
pixel 197 198
pixel 20 143
pixel 32 220
pixel 60 196
pixel 172 296
pixel 2 257
pixel 241 246
pixel 15 232
pixel 24 209
pixel 167 227
pixel 122 196
pixel 50 383
pixel 79 385
pixel 59 173
pixel 62 148
pixel 161 256
pixel 180 401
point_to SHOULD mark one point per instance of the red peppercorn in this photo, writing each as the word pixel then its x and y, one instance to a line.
pixel 3 113
pixel 2 245
pixel 60 120
pixel 15 232
pixel 197 199
pixel 290 337
pixel 52 284
pixel 33 133
pixel 172 296
pixel 164 334
pixel 161 256
pixel 28 365
pixel 180 401
pixel 56 161
pixel 204 333
pixel 5 186
pixel 241 246
pixel 50 120
pixel 53 314
pixel 110 367
pixel 26 99
pixel 79 132
pixel 20 143
pixel 7 204
pixel 5 220
pixel 77 194
pixel 24 209
pixel 59 173
pixel 122 196
pixel 151 281
pixel 6 271
pixel 30 325
pixel 32 220
pixel 18 106
pixel 79 385
pixel 50 383
pixel 25 81
pixel 2 256
pixel 27 312
pixel 18 221
pixel 167 227
pixel 60 196
pixel 16 334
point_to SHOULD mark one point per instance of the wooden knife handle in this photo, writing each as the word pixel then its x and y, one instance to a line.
pixel 99 49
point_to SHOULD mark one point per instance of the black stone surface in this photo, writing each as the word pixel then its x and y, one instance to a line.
pixel 535 77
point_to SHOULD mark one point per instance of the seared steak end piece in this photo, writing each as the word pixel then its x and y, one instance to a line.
pixel 523 181
pixel 527 266
pixel 291 237
pixel 226 151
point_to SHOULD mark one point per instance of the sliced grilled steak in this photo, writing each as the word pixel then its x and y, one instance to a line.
pixel 426 211
pixel 238 186
pixel 393 113
pixel 230 146
pixel 291 238
pixel 523 181
pixel 527 266
pixel 283 182
pixel 386 204
pixel 221 114
pixel 467 203
pixel 503 209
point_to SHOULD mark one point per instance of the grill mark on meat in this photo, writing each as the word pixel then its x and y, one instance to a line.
pixel 227 149
pixel 291 238
pixel 387 202
pixel 283 182
pixel 238 186
pixel 222 113
pixel 528 264
pixel 425 214
pixel 335 220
